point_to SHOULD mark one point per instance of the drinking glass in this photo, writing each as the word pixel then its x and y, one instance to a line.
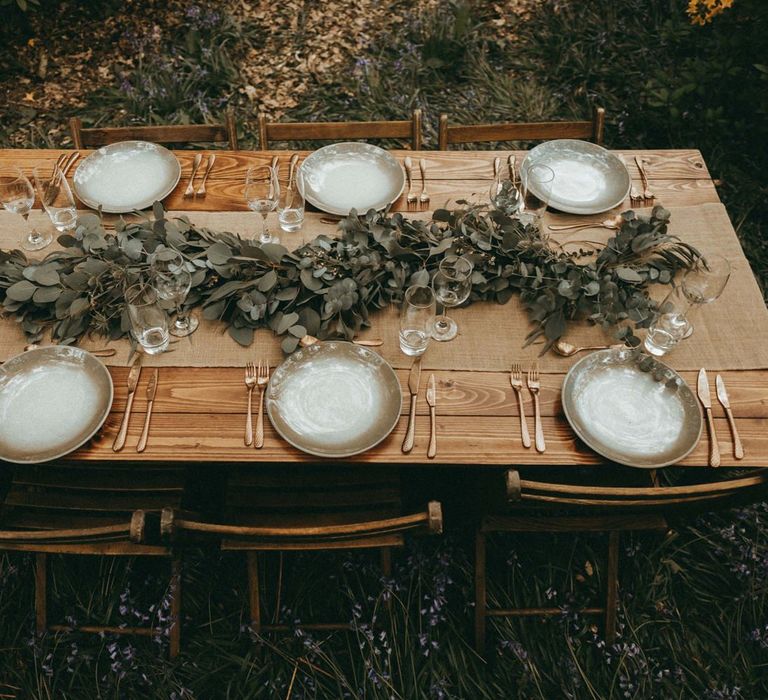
pixel 536 182
pixel 148 321
pixel 504 195
pixel 416 319
pixel 702 284
pixel 262 191
pixel 452 284
pixel 18 196
pixel 55 195
pixel 172 282
pixel 290 206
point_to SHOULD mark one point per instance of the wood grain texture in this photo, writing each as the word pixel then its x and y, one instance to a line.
pixel 199 412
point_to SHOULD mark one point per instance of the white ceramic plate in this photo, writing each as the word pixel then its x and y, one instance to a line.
pixel 126 176
pixel 588 178
pixel 628 415
pixel 346 176
pixel 334 399
pixel 52 401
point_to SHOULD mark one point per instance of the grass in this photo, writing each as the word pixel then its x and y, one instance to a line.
pixel 693 617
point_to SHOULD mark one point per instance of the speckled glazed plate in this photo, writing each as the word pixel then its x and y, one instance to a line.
pixel 641 419
pixel 346 176
pixel 52 401
pixel 334 399
pixel 588 178
pixel 126 176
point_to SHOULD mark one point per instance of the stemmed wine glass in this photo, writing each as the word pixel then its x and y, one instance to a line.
pixel 262 193
pixel 452 284
pixel 702 284
pixel 17 195
pixel 172 282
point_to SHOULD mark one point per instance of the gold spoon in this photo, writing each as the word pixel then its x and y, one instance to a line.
pixel 566 349
pixel 308 340
pixel 101 352
pixel 613 223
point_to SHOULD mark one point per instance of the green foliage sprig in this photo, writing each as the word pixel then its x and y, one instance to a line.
pixel 329 286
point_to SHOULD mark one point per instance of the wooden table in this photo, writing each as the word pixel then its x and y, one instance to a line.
pixel 199 413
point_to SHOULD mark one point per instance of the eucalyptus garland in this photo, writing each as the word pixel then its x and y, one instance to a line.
pixel 329 286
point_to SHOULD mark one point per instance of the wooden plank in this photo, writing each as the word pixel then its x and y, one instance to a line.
pixel 682 164
pixel 220 390
pixel 487 440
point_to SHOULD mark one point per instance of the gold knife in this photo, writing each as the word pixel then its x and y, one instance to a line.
pixel 722 396
pixel 413 387
pixel 703 392
pixel 275 165
pixel 511 161
pixel 133 381
pixel 151 391
pixel 431 400
pixel 292 170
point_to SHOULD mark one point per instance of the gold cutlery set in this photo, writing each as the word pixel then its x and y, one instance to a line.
pixel 534 386
pixel 190 189
pixel 134 375
pixel 413 201
pixel 706 402
pixel 413 387
pixel 256 377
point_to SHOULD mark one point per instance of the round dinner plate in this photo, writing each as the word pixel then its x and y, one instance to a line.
pixel 344 176
pixel 588 178
pixel 334 399
pixel 126 176
pixel 641 419
pixel 52 401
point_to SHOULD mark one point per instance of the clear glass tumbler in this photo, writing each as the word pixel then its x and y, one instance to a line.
pixel 536 185
pixel 416 319
pixel 148 321
pixel 290 207
pixel 702 284
pixel 55 195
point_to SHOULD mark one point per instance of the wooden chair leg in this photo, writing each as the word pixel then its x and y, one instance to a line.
pixel 254 603
pixel 175 606
pixel 612 583
pixel 480 593
pixel 41 594
pixel 386 561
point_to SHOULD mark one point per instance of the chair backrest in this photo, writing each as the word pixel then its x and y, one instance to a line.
pixel 522 131
pixel 703 495
pixel 173 133
pixel 84 505
pixel 407 129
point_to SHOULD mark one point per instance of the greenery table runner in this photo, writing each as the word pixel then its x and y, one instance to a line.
pixel 729 333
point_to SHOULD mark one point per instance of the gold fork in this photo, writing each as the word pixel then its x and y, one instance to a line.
pixel 424 196
pixel 534 386
pixel 411 197
pixel 635 196
pixel 516 380
pixel 261 380
pixel 250 382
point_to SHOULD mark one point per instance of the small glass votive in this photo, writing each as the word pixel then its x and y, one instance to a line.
pixel 290 206
pixel 56 197
pixel 148 321
pixel 417 319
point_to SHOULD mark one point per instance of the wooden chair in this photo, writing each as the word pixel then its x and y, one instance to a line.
pixel 306 508
pixel 407 129
pixel 172 133
pixel 89 510
pixel 522 131
pixel 537 506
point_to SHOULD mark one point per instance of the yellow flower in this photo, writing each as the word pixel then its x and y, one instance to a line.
pixel 703 11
